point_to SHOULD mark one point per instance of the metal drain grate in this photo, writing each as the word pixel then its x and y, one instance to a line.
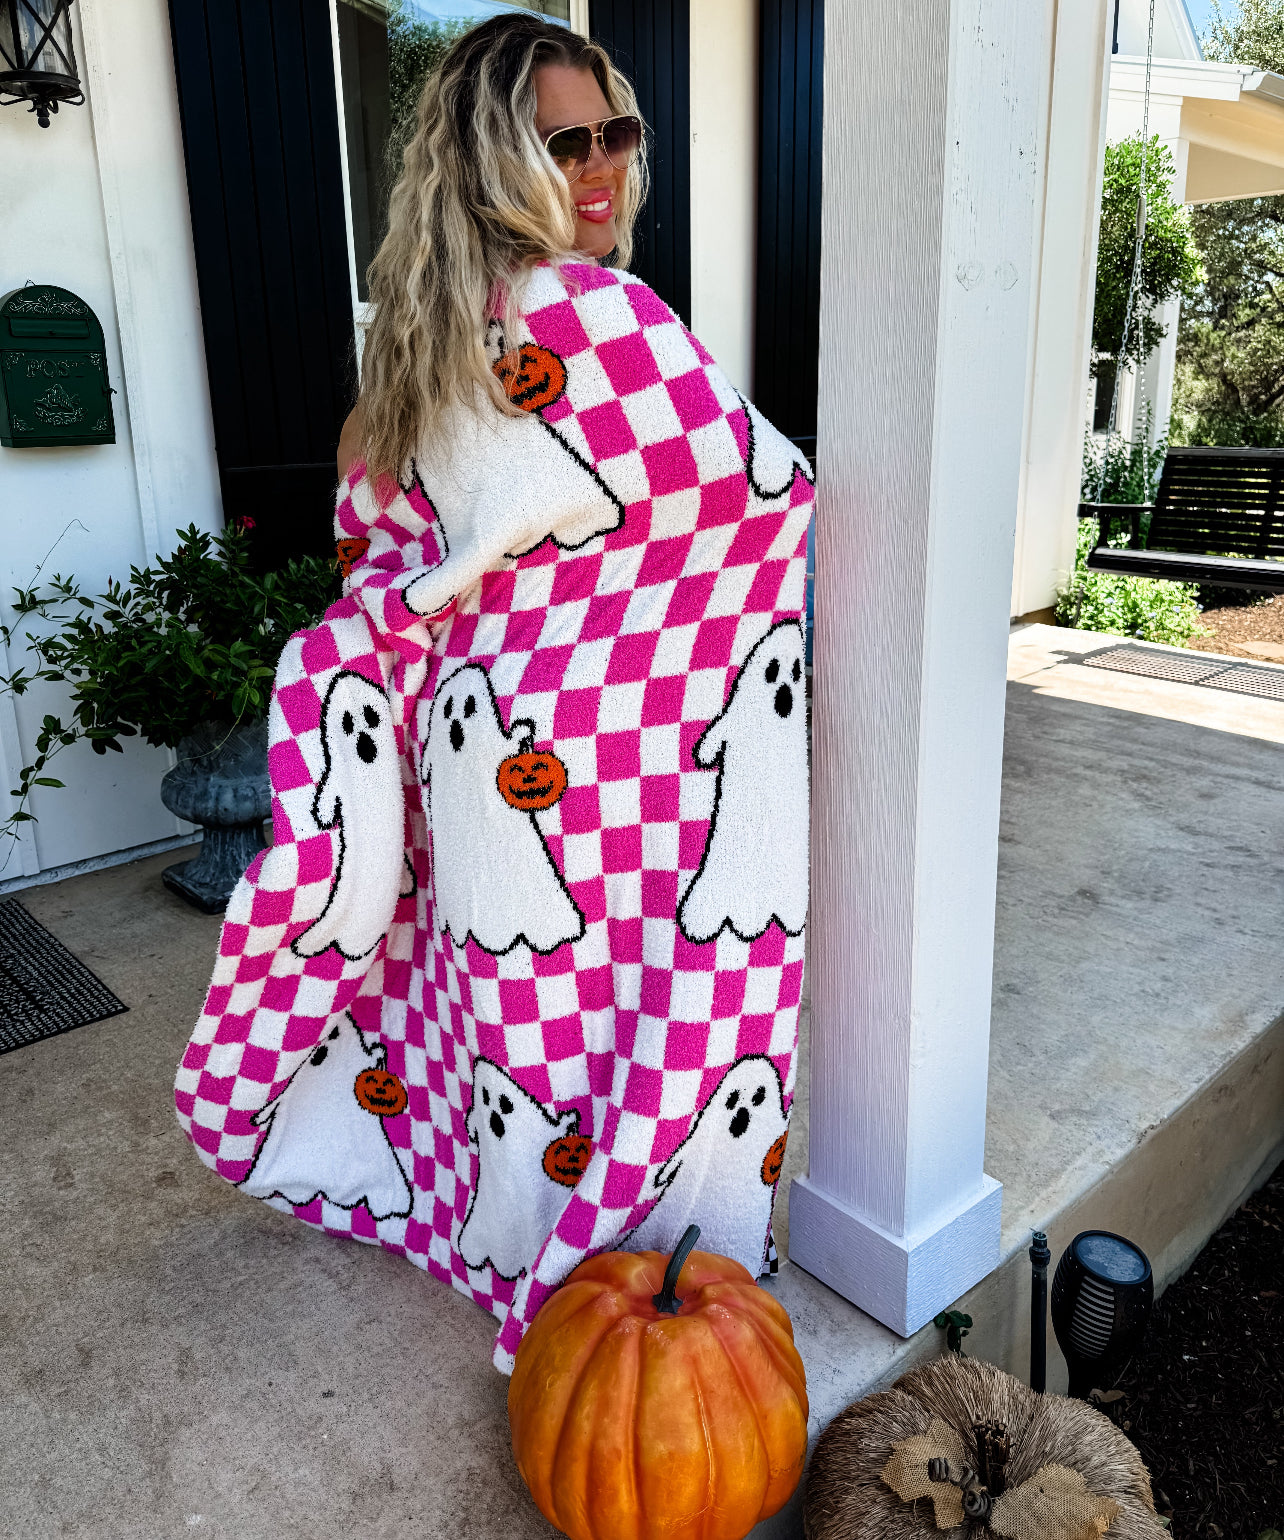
pixel 1241 678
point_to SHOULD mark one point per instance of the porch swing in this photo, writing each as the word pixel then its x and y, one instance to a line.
pixel 1214 517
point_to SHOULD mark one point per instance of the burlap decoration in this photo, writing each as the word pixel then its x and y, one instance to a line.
pixel 1055 1504
pixel 846 1497
pixel 906 1471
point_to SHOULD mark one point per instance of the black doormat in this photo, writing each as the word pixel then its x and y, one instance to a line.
pixel 44 990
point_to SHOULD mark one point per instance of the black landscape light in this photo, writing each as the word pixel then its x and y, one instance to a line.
pixel 37 59
pixel 1102 1296
pixel 1040 1256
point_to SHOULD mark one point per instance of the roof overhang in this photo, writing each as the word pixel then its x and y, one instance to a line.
pixel 1231 117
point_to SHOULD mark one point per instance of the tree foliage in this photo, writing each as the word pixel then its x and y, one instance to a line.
pixel 1169 263
pixel 416 48
pixel 1230 358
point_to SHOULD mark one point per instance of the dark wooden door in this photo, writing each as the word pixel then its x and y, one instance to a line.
pixel 261 140
pixel 787 312
pixel 650 40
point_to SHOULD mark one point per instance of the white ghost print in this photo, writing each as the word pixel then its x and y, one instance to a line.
pixel 772 460
pixel 723 1175
pixel 494 478
pixel 321 1141
pixel 360 793
pixel 754 868
pixel 493 876
pixel 515 1203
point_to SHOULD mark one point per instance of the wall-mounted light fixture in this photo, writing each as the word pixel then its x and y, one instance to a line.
pixel 37 59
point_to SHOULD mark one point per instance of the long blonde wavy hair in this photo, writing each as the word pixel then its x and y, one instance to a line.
pixel 479 202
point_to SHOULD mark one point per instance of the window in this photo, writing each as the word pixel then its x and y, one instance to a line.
pixel 386 49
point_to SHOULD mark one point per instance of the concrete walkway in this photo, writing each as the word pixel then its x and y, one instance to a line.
pixel 178 1360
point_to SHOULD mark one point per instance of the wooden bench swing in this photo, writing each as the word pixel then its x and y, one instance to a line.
pixel 1218 517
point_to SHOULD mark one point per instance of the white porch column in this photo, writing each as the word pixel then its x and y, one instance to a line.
pixel 932 185
pixel 1056 414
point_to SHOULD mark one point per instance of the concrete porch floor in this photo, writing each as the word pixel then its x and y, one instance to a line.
pixel 178 1360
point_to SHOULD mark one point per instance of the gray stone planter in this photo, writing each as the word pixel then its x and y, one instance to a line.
pixel 220 782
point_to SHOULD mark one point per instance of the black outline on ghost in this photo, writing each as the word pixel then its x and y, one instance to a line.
pixel 807 472
pixel 330 1036
pixel 496 339
pixel 674 1163
pixel 438 528
pixel 475 1149
pixel 597 534
pixel 337 823
pixel 424 780
pixel 799 695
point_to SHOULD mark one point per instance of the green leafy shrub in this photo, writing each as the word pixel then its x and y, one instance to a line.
pixel 194 638
pixel 1126 472
pixel 1150 609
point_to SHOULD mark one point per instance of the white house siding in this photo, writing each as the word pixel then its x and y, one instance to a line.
pixel 724 180
pixel 97 203
pixel 1053 443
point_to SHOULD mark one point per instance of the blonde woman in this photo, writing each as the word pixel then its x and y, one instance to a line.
pixel 519 979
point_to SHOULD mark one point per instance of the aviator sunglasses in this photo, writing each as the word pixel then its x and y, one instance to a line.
pixel 571 148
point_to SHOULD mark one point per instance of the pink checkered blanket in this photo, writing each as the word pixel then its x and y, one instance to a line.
pixel 518 980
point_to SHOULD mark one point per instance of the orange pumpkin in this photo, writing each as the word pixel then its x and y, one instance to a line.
pixel 565 1159
pixel 773 1160
pixel 531 781
pixel 644 1411
pixel 532 376
pixel 379 1091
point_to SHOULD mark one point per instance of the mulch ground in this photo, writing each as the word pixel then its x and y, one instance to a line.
pixel 1239 629
pixel 1203 1399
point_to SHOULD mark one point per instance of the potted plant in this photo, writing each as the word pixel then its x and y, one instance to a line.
pixel 183 655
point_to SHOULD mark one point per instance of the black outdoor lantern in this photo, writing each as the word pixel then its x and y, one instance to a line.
pixel 37 59
pixel 1102 1296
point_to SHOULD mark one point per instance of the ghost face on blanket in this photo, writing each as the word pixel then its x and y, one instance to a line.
pixel 360 796
pixel 516 1202
pixel 754 868
pixel 493 876
pixel 723 1175
pixel 321 1140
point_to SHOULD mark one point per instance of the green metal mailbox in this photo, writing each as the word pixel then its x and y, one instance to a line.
pixel 53 371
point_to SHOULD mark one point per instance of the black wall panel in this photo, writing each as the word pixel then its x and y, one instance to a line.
pixel 261 139
pixel 787 317
pixel 650 40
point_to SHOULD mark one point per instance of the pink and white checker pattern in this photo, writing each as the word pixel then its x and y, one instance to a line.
pixel 621 651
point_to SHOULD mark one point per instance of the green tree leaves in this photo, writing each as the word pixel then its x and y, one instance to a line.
pixel 1169 260
pixel 1230 353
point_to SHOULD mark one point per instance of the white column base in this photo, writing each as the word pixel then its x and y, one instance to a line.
pixel 901 1281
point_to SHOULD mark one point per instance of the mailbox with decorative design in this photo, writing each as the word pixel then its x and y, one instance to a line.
pixel 53 371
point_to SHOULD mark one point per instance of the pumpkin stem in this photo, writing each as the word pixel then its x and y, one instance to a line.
pixel 667 1301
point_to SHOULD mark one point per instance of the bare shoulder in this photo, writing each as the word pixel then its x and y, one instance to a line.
pixel 350 440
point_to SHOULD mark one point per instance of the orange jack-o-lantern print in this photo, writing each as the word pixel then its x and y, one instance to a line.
pixel 773 1160
pixel 379 1091
pixel 531 781
pixel 349 551
pixel 565 1159
pixel 532 376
